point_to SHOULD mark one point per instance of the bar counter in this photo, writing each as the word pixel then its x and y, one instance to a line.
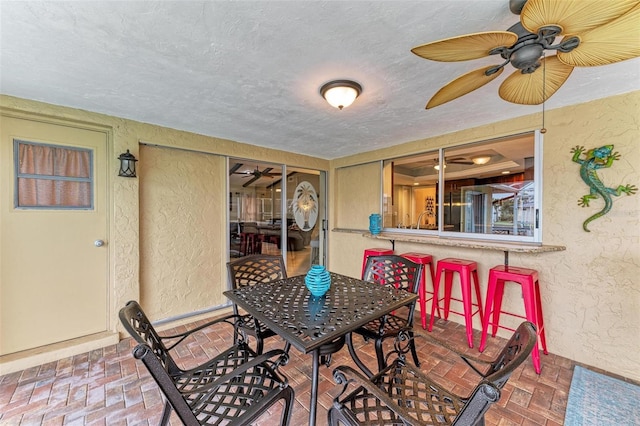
pixel 503 246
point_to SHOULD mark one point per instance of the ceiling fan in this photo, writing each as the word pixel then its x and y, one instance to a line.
pixel 594 32
pixel 256 173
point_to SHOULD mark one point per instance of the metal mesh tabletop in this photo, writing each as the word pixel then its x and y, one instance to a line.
pixel 288 308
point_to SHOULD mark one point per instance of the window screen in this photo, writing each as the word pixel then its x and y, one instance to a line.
pixel 49 176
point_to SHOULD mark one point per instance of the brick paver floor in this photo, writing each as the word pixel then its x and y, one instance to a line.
pixel 109 387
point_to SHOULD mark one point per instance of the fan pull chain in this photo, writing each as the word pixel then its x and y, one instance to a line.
pixel 544 94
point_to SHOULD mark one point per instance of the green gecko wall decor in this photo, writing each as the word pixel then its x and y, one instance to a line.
pixel 594 159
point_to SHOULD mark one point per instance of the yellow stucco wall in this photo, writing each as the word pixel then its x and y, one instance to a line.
pixel 356 187
pixel 182 198
pixel 591 291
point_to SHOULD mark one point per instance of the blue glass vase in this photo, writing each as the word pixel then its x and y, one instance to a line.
pixel 318 280
pixel 375 223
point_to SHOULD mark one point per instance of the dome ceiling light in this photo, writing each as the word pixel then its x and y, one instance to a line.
pixel 340 93
pixel 483 159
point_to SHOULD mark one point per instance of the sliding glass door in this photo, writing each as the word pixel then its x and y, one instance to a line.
pixel 264 221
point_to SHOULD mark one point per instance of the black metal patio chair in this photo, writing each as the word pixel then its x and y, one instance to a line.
pixel 401 394
pixel 249 271
pixel 235 387
pixel 398 272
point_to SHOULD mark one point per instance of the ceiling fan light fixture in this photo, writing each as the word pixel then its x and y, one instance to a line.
pixel 437 166
pixel 483 159
pixel 340 93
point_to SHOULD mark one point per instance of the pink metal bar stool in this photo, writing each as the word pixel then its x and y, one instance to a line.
pixel 373 252
pixel 528 280
pixel 423 259
pixel 466 270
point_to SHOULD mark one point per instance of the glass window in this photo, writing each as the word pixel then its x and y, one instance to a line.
pixel 49 176
pixel 486 190
pixel 410 195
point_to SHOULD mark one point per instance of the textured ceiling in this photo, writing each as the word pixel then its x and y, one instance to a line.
pixel 250 71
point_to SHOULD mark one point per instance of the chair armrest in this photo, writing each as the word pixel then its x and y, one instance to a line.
pixel 181 336
pixel 143 352
pixel 260 359
pixel 468 359
pixel 343 375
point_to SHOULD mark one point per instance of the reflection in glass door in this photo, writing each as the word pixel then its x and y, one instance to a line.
pixel 305 216
pixel 263 221
pixel 254 207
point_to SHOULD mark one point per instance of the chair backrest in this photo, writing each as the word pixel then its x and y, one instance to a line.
pixel 393 270
pixel 474 409
pixel 140 328
pixel 255 269
pixel 514 353
pixel 396 271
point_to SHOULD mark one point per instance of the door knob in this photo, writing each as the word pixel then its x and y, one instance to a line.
pixel 98 243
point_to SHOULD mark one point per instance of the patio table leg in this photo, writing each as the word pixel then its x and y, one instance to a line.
pixel 314 388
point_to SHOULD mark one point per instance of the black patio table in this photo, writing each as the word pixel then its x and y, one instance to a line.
pixel 307 322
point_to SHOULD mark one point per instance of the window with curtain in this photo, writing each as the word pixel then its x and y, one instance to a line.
pixel 53 177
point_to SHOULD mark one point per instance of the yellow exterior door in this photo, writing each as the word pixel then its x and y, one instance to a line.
pixel 53 261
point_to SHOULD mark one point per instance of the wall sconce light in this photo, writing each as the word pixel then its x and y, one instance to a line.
pixel 127 165
pixel 340 93
pixel 484 159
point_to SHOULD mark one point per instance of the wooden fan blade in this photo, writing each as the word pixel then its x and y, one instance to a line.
pixel 572 16
pixel 535 88
pixel 249 182
pixel 616 41
pixel 462 85
pixel 465 47
pixel 234 168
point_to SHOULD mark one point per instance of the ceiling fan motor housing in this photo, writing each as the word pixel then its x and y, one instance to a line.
pixel 525 54
pixel 527 58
